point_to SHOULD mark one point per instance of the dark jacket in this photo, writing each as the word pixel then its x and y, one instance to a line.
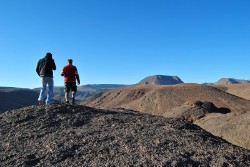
pixel 46 66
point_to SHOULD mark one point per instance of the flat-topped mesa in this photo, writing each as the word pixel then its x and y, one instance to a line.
pixel 161 80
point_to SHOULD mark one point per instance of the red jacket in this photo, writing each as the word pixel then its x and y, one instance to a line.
pixel 70 73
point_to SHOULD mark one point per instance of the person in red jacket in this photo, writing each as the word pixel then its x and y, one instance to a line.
pixel 70 76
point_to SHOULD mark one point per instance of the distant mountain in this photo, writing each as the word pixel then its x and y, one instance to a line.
pixel 85 91
pixel 13 98
pixel 161 80
pixel 231 81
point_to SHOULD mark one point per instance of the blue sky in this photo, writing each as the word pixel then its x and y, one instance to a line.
pixel 123 41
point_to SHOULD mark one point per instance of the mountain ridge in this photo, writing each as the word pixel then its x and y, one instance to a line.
pixel 231 81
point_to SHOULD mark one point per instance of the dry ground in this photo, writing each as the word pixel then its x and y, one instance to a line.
pixel 161 99
pixel 179 100
pixel 233 127
pixel 241 90
pixel 65 135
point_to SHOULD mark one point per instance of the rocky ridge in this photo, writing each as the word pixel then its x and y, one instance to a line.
pixel 65 135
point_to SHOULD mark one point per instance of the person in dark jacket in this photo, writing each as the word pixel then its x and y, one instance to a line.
pixel 44 69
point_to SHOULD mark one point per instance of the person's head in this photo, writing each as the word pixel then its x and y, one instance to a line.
pixel 48 56
pixel 70 61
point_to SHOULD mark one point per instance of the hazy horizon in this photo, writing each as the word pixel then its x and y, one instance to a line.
pixel 1 86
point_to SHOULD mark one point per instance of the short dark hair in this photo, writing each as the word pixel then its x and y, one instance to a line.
pixel 48 55
pixel 70 60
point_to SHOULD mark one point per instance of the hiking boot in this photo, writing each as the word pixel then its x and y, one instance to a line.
pixel 67 102
pixel 73 102
pixel 40 102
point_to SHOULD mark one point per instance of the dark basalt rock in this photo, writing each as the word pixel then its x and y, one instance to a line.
pixel 65 135
pixel 194 110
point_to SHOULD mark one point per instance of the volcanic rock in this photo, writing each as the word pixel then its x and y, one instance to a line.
pixel 161 80
pixel 192 111
pixel 65 135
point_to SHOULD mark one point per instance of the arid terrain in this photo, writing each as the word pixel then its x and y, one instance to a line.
pixel 181 101
pixel 135 125
pixel 66 135
pixel 233 127
pixel 163 98
pixel 241 90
